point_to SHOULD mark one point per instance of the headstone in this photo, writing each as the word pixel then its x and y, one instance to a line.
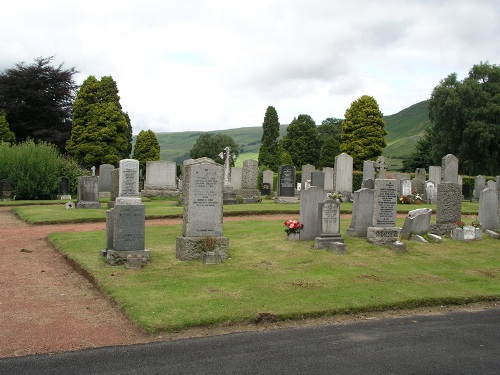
pixel 362 213
pixel 399 178
pixel 368 184
pixel 448 208
pixel 435 174
pixel 418 183
pixel 268 178
pixel 343 173
pixel 286 184
pixel 329 172
pixel 265 189
pixel 318 179
pixel 449 169
pixel 161 179
pixel 202 219
pixel 128 179
pixel 479 185
pixel 488 209
pixel 306 174
pixel 405 188
pixel 328 225
pixel 368 170
pixel 88 192
pixel 384 230
pixel 105 180
pixel 430 192
pixel 228 192
pixel 249 191
pixel 490 184
pixel 417 222
pixel 497 181
pixel 380 167
pixel 115 177
pixel 309 214
pixel 64 187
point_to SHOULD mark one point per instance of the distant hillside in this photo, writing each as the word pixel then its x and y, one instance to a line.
pixel 404 129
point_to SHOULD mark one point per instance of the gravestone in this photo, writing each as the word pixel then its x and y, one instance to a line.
pixel 161 179
pixel 399 178
pixel 384 230
pixel 228 192
pixel 309 214
pixel 448 208
pixel 417 222
pixel 490 184
pixel 430 192
pixel 88 192
pixel 368 170
pixel 265 189
pixel 343 173
pixel 115 177
pixel 368 184
pixel 418 183
pixel 306 174
pixel 126 221
pixel 286 185
pixel 64 188
pixel 318 179
pixel 237 178
pixel 435 174
pixel 329 183
pixel 488 209
pixel 497 181
pixel 328 225
pixel 362 213
pixel 405 188
pixel 202 218
pixel 249 191
pixel 479 185
pixel 105 180
pixel 268 178
pixel 380 167
pixel 449 169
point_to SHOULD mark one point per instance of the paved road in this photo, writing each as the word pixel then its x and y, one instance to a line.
pixel 454 343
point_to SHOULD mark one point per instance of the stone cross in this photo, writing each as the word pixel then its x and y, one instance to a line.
pixel 381 166
pixel 227 156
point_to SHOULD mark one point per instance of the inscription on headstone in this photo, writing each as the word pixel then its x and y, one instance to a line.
pixel 286 181
pixel 129 178
pixel 385 200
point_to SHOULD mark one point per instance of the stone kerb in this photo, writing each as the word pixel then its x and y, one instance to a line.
pixel 203 211
pixel 309 215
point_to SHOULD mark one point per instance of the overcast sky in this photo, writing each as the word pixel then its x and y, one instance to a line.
pixel 218 64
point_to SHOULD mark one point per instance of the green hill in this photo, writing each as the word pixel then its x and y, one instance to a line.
pixel 404 129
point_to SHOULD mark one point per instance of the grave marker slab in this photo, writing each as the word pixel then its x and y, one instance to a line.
pixel 343 173
pixel 328 225
pixel 309 214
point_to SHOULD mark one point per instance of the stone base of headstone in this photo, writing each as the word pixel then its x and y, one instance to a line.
pixel 87 204
pixel 159 191
pixel 383 235
pixel 461 234
pixel 338 247
pixel 134 262
pixel 493 234
pixel 442 229
pixel 104 194
pixel 228 195
pixel 323 242
pixel 118 257
pixel 191 248
pixel 211 257
pixel 398 247
pixel 286 199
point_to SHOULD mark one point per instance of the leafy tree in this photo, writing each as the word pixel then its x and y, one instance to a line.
pixel 421 157
pixel 37 99
pixel 465 118
pixel 363 133
pixel 329 150
pixel 6 135
pixel 208 146
pixel 101 131
pixel 330 127
pixel 301 141
pixel 146 148
pixel 269 148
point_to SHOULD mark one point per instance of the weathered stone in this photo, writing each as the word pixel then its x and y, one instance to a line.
pixel 488 209
pixel 88 192
pixel 309 214
pixel 417 222
pixel 383 235
pixel 384 203
pixel 449 169
pixel 362 213
pixel 343 173
pixel 306 174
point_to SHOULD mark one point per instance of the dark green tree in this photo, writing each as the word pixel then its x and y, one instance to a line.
pixel 421 157
pixel 101 132
pixel 269 148
pixel 329 150
pixel 330 127
pixel 363 131
pixel 146 148
pixel 37 100
pixel 301 141
pixel 6 135
pixel 211 146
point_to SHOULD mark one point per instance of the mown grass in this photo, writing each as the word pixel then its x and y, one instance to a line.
pixel 267 274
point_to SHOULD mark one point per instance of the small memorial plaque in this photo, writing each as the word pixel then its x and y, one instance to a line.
pixel 469 232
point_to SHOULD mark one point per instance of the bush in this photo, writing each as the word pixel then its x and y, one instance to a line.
pixel 70 168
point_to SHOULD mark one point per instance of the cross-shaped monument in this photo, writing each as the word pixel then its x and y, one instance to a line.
pixel 381 167
pixel 227 156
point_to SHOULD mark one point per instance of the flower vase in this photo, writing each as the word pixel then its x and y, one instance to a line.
pixel 293 237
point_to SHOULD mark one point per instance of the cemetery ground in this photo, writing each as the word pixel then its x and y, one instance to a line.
pixel 267 282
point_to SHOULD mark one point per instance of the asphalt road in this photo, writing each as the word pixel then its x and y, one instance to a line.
pixel 453 343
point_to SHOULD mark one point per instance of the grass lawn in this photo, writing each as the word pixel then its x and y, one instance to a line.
pixel 267 274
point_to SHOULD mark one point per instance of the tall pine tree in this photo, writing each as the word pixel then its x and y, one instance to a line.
pixel 146 148
pixel 269 148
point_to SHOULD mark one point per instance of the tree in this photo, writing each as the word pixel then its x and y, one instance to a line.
pixel 37 100
pixel 269 148
pixel 146 148
pixel 101 131
pixel 465 117
pixel 211 147
pixel 301 141
pixel 363 133
pixel 329 150
pixel 330 127
pixel 421 157
pixel 6 135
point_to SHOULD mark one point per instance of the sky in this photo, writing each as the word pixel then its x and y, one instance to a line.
pixel 202 65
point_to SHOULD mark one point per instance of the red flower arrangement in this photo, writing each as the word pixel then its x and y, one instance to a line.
pixel 293 226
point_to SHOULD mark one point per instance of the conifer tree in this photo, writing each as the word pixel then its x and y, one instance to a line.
pixel 301 141
pixel 146 148
pixel 269 148
pixel 6 135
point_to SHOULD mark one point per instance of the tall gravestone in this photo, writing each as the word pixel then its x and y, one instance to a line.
pixel 64 188
pixel 105 180
pixel 203 217
pixel 318 179
pixel 368 170
pixel 449 169
pixel 418 183
pixel 381 167
pixel 115 178
pixel 329 183
pixel 268 178
pixel 249 190
pixel 435 174
pixel 488 209
pixel 329 224
pixel 405 188
pixel 362 213
pixel 306 174
pixel 237 178
pixel 309 214
pixel 343 173
pixel 448 208
pixel 88 192
pixel 126 221
pixel 384 230
pixel 286 185
pixel 161 179
pixel 479 185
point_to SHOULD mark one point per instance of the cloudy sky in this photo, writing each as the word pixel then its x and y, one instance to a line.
pixel 218 64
